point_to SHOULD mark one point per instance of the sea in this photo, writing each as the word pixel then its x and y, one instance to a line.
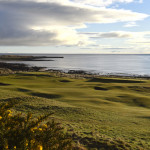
pixel 102 64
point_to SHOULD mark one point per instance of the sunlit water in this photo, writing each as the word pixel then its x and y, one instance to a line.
pixel 97 63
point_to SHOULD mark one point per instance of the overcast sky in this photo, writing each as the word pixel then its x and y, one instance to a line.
pixel 75 26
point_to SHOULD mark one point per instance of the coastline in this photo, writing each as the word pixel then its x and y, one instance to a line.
pixel 101 65
pixel 9 68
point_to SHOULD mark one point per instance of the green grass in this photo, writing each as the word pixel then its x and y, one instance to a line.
pixel 99 110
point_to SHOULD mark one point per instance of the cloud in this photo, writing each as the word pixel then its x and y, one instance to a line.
pixel 119 34
pixel 33 23
pixel 104 2
pixel 115 34
pixel 89 2
pixel 130 24
pixel 122 40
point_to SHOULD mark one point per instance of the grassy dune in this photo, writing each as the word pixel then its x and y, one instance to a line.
pixel 97 112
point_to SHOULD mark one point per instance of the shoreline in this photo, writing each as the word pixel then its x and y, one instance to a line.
pixel 17 67
pixel 9 68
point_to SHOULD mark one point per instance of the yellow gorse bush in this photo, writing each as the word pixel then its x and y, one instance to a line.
pixel 18 132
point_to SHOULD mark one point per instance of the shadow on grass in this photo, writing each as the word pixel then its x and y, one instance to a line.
pixel 138 102
pixel 132 101
pixel 45 95
pixel 4 84
pixel 145 117
pixel 113 80
pixel 23 90
pixel 100 88
pixel 139 88
pixel 34 75
pixel 65 81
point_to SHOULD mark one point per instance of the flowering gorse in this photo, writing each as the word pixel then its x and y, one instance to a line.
pixel 18 132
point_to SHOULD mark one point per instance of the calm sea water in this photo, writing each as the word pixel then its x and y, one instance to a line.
pixel 97 63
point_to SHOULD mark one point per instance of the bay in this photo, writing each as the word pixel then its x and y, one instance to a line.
pixel 112 64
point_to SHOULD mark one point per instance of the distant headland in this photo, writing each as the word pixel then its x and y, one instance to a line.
pixel 25 58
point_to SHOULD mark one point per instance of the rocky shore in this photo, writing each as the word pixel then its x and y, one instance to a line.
pixel 8 68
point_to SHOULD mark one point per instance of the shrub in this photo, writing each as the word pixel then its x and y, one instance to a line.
pixel 25 133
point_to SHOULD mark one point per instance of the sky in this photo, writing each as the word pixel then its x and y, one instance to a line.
pixel 75 26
